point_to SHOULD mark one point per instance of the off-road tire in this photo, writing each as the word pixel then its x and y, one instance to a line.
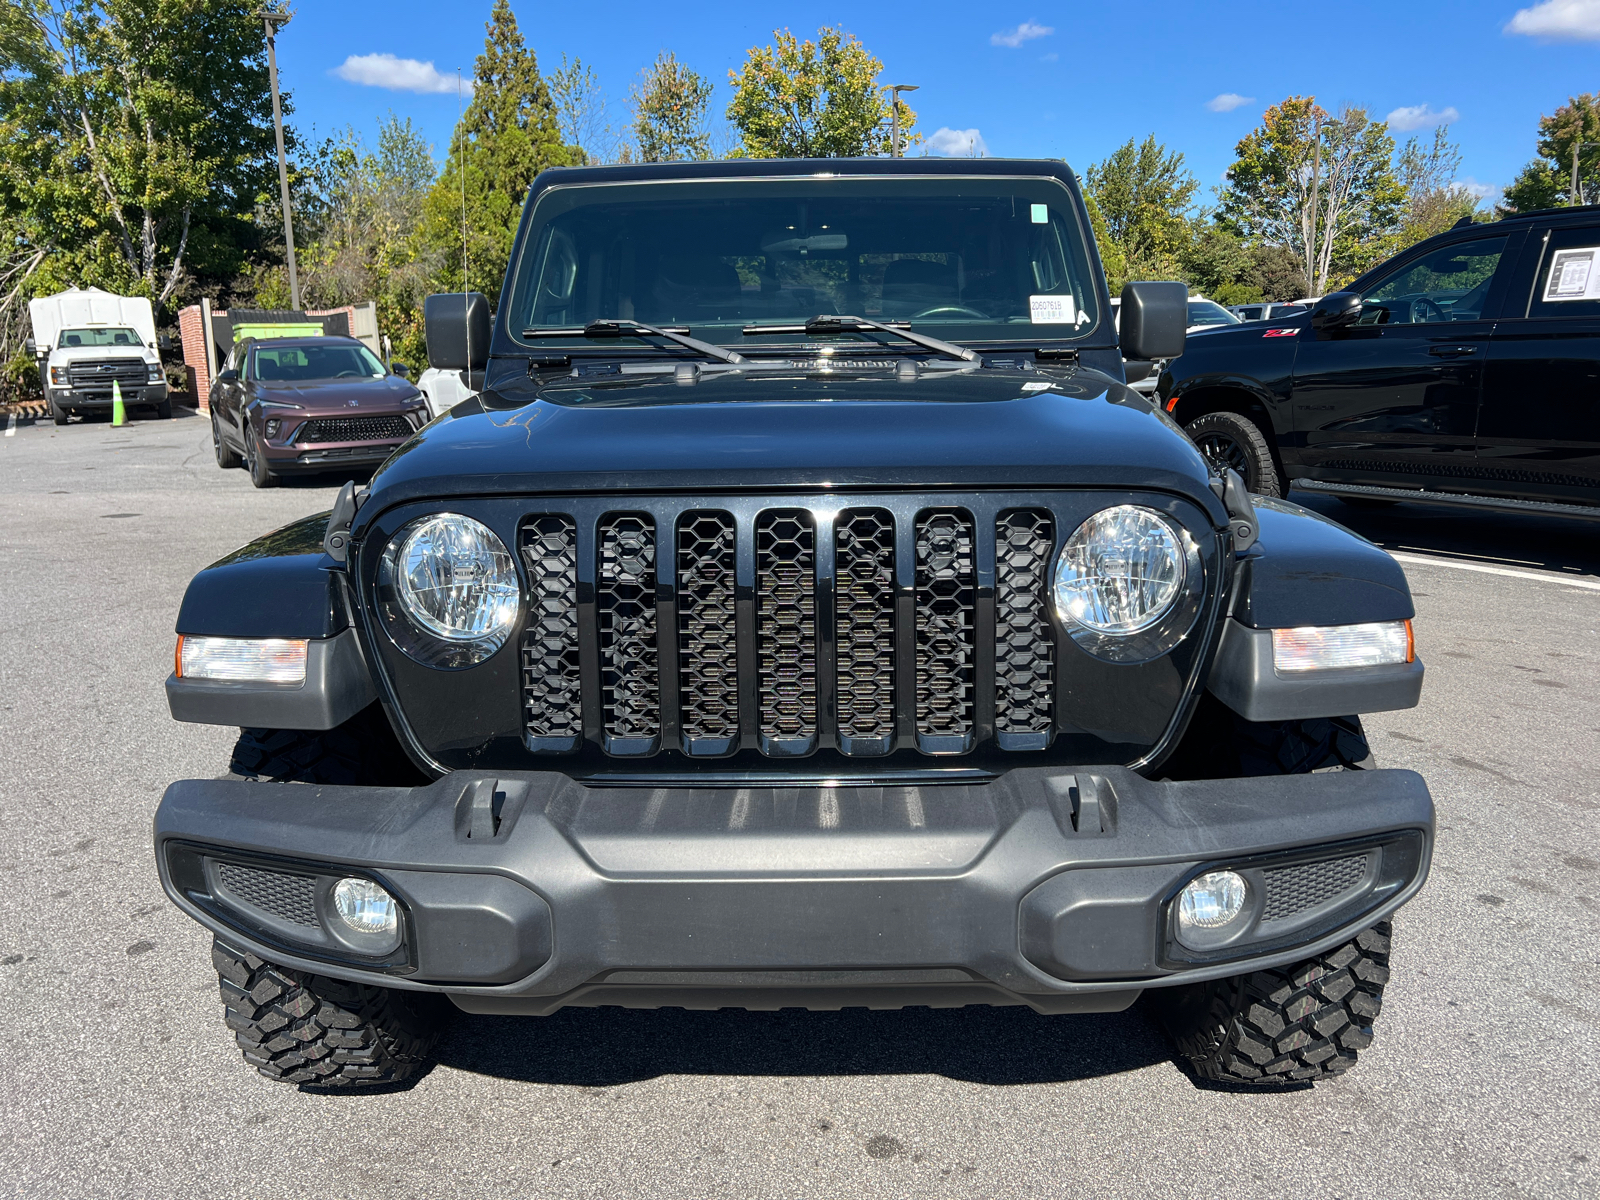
pixel 309 1029
pixel 364 750
pixel 1295 1024
pixel 256 462
pixel 1230 440
pixel 227 457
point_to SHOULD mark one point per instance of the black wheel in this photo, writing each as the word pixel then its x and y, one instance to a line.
pixel 58 414
pixel 164 411
pixel 1294 1024
pixel 363 750
pixel 1230 440
pixel 309 1029
pixel 227 458
pixel 255 461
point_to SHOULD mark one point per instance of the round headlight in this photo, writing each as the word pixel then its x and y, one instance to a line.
pixel 1120 572
pixel 454 581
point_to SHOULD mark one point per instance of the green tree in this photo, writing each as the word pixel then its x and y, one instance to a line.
pixel 816 99
pixel 669 112
pixel 582 113
pixel 128 160
pixel 1144 192
pixel 1116 267
pixel 1546 182
pixel 1434 200
pixel 509 133
pixel 1215 263
pixel 1323 185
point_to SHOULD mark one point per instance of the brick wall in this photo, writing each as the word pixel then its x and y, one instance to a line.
pixel 194 354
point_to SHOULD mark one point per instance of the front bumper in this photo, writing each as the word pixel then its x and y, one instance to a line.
pixel 74 398
pixel 523 894
pixel 323 456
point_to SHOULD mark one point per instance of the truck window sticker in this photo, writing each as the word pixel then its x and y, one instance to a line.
pixel 1573 275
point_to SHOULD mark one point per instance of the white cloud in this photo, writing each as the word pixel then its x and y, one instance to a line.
pixel 397 74
pixel 1566 20
pixel 1051 57
pixel 1025 32
pixel 1478 191
pixel 957 143
pixel 1228 101
pixel 1419 116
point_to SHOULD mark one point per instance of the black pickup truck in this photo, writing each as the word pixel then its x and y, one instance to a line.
pixel 803 614
pixel 1465 371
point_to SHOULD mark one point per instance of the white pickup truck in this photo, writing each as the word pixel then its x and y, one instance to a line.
pixel 85 340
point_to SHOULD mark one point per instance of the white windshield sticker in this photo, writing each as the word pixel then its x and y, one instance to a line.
pixel 1052 310
pixel 1574 275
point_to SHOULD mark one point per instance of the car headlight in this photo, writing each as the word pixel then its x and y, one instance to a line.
pixel 449 579
pixel 156 375
pixel 1127 584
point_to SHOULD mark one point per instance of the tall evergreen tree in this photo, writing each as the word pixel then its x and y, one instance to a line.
pixel 508 134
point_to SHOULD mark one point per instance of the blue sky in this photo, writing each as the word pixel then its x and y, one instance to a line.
pixel 1033 79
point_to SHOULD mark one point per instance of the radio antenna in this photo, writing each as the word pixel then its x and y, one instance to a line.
pixel 466 295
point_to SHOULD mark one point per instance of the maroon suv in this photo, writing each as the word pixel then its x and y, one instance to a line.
pixel 309 404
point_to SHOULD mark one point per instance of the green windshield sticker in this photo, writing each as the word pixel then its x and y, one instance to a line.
pixel 1041 214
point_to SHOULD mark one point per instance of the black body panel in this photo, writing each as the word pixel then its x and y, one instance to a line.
pixel 277 586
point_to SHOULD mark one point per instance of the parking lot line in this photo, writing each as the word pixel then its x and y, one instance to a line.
pixel 1592 585
pixel 11 426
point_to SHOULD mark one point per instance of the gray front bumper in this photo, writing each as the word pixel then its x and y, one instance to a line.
pixel 529 892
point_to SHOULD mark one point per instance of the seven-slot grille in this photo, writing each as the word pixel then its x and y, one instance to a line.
pixel 783 629
pixel 353 429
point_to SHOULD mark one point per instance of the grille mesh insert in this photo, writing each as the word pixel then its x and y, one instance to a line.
pixel 291 898
pixel 552 685
pixel 1024 642
pixel 708 655
pixel 1292 890
pixel 353 429
pixel 946 593
pixel 786 648
pixel 864 570
pixel 625 610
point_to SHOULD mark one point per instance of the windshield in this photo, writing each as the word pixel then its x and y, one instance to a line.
pixel 302 364
pixel 1208 312
pixel 109 336
pixel 985 259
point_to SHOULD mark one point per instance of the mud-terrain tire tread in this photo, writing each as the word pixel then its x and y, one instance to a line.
pixel 1289 1025
pixel 364 750
pixel 1262 477
pixel 300 1028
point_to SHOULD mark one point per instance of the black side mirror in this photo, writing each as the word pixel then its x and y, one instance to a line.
pixel 1336 310
pixel 1133 372
pixel 1154 318
pixel 228 377
pixel 400 369
pixel 164 342
pixel 456 326
pixel 32 347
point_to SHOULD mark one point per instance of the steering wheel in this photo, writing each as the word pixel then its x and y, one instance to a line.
pixel 1426 312
pixel 949 310
pixel 351 374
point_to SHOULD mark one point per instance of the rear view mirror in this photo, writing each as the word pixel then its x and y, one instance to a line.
pixel 1336 310
pixel 164 342
pixel 1153 319
pixel 456 326
pixel 32 347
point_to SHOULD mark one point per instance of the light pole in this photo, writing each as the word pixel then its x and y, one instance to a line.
pixel 272 19
pixel 894 116
pixel 1577 152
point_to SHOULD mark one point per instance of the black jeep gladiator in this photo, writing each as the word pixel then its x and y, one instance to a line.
pixel 804 614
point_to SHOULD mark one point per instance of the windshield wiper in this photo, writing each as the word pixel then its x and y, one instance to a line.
pixel 624 328
pixel 820 326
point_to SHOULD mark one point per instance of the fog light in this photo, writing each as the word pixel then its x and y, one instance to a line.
pixel 273 426
pixel 1325 647
pixel 1213 900
pixel 365 907
pixel 241 660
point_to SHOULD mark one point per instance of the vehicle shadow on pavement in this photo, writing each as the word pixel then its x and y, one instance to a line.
pixel 601 1047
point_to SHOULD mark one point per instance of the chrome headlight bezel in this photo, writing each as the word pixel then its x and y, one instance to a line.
pixel 1165 626
pixel 423 637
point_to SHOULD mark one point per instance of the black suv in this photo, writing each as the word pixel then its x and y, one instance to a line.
pixel 803 614
pixel 1463 371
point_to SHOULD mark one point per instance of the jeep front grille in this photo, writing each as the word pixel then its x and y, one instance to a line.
pixel 784 628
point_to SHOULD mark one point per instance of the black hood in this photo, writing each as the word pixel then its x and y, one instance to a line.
pixel 774 430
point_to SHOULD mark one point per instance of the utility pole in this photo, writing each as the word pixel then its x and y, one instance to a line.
pixel 1573 197
pixel 1312 256
pixel 894 115
pixel 272 19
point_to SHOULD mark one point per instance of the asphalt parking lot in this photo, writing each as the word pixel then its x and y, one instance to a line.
pixel 117 1078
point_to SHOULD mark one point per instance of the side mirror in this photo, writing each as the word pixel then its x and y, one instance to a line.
pixel 456 326
pixel 32 347
pixel 164 343
pixel 1154 317
pixel 400 369
pixel 228 377
pixel 1336 310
